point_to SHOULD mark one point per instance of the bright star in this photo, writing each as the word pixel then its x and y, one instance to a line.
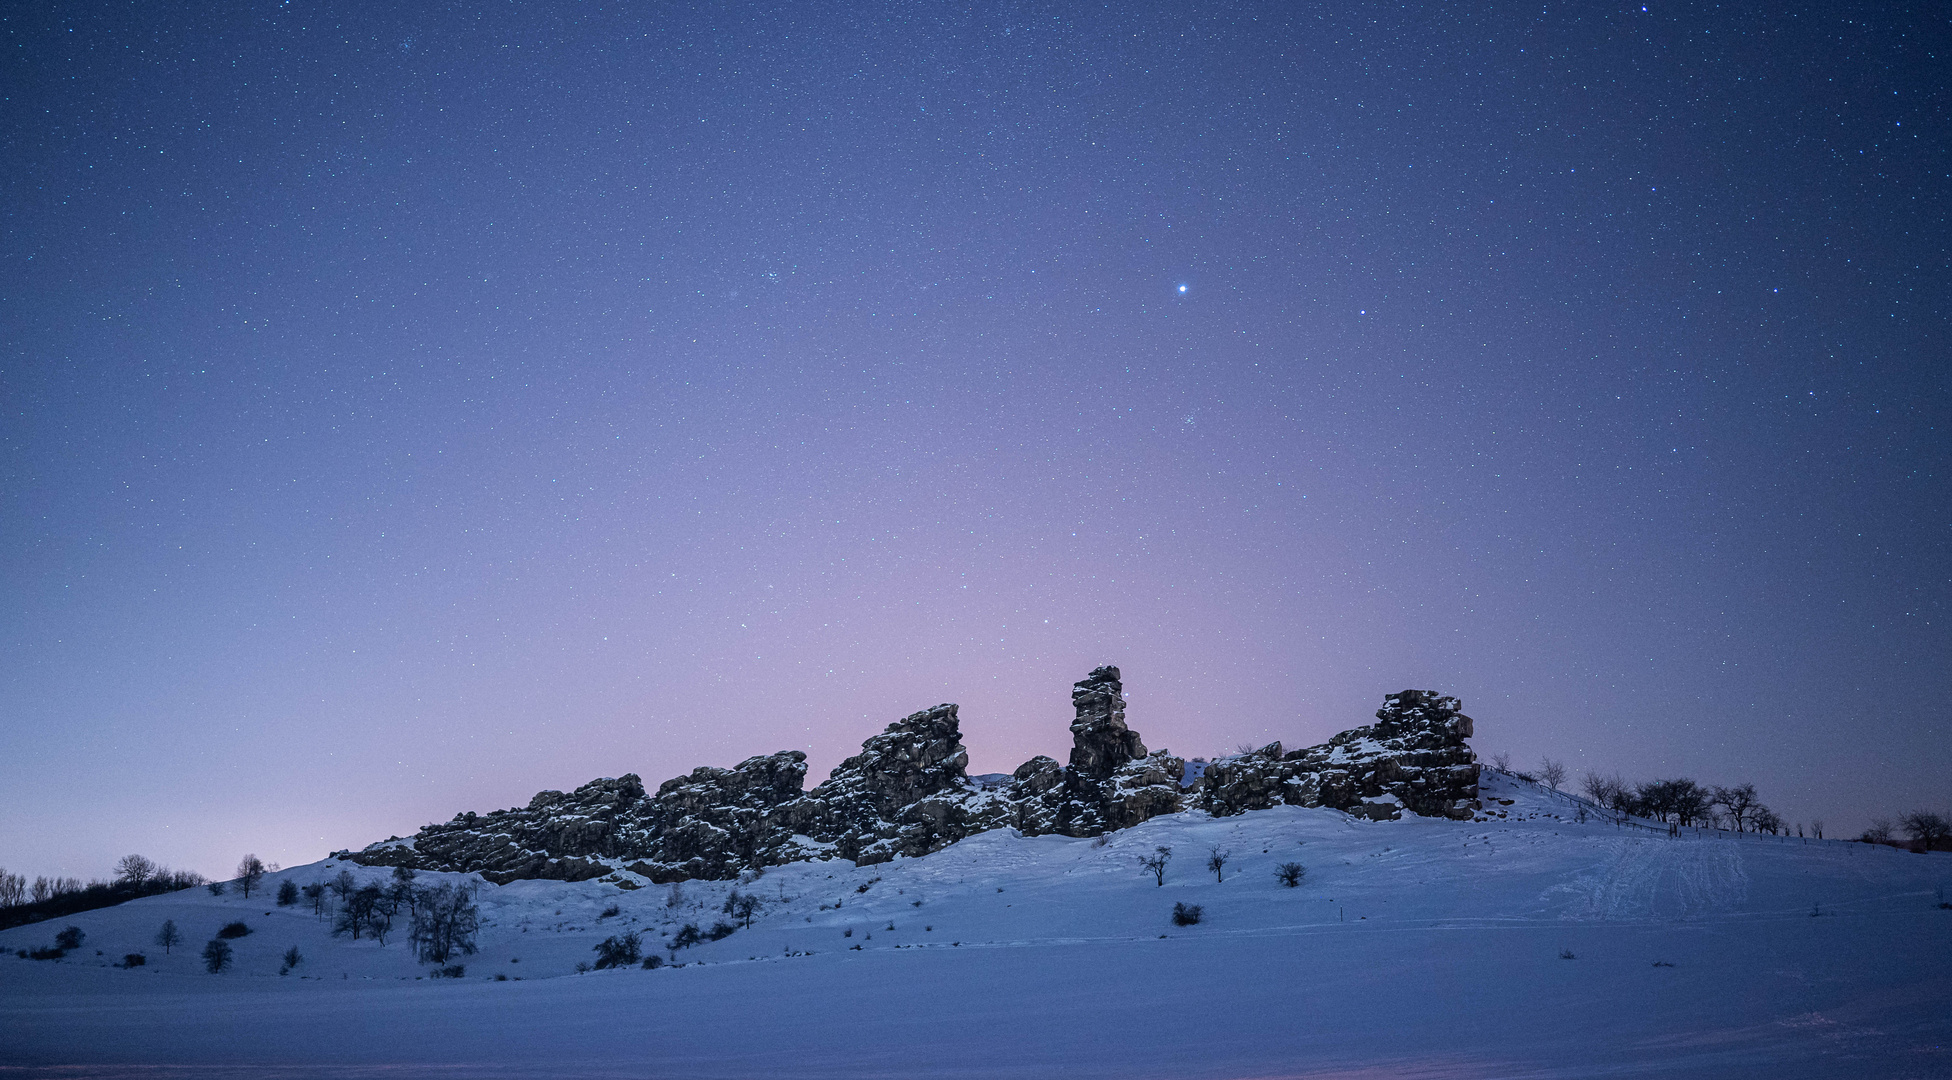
pixel 1182 288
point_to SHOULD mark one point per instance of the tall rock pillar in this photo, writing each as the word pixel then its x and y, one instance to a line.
pixel 1101 741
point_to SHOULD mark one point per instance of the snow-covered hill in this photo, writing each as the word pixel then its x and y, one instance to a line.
pixel 1531 945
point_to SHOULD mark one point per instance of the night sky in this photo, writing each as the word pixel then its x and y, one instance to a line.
pixel 405 411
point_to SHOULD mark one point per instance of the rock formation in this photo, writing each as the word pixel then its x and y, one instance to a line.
pixel 907 793
pixel 1414 757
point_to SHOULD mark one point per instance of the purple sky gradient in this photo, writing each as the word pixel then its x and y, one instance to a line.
pixel 402 412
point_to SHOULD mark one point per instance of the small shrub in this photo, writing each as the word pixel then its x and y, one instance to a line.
pixel 1566 954
pixel 71 938
pixel 721 930
pixel 216 955
pixel 501 976
pixel 134 960
pixel 686 937
pixel 216 888
pixel 582 967
pixel 234 930
pixel 46 952
pixel 293 958
pixel 287 893
pixel 455 971
pixel 1663 963
pixel 611 912
pixel 653 962
pixel 1290 873
pixel 618 950
pixel 1187 914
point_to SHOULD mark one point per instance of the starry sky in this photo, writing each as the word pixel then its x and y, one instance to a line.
pixel 405 408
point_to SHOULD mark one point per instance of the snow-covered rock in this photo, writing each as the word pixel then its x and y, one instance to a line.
pixel 1415 756
pixel 907 793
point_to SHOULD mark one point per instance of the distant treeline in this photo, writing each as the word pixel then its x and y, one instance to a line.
pixel 1689 804
pixel 51 898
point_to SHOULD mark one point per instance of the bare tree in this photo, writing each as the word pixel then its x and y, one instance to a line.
pixel 1290 873
pixel 343 885
pixel 1816 827
pixel 1880 831
pixel 13 889
pixel 43 889
pixel 1155 863
pixel 446 923
pixel 357 911
pixel 1739 804
pixel 169 936
pixel 216 955
pixel 315 892
pixel 1595 787
pixel 385 904
pixel 135 870
pixel 1552 772
pixel 403 890
pixel 1927 830
pixel 1216 861
pixel 1501 761
pixel 250 871
pixel 742 906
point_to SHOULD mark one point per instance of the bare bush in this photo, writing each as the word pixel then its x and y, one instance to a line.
pixel 1552 772
pixel 250 871
pixel 216 956
pixel 445 923
pixel 135 870
pixel 1926 829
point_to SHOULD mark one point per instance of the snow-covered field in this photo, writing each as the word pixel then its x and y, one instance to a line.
pixel 1416 948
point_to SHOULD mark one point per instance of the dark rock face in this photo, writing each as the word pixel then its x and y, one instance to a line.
pixel 1414 757
pixel 901 795
pixel 1101 741
pixel 558 837
pixel 1112 782
pixel 908 793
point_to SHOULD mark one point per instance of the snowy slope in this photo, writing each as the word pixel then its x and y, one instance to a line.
pixel 1419 947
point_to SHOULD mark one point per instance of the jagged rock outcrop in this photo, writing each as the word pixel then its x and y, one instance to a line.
pixel 1414 757
pixel 901 795
pixel 1112 783
pixel 908 793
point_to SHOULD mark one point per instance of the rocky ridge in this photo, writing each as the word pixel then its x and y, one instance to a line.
pixel 908 793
